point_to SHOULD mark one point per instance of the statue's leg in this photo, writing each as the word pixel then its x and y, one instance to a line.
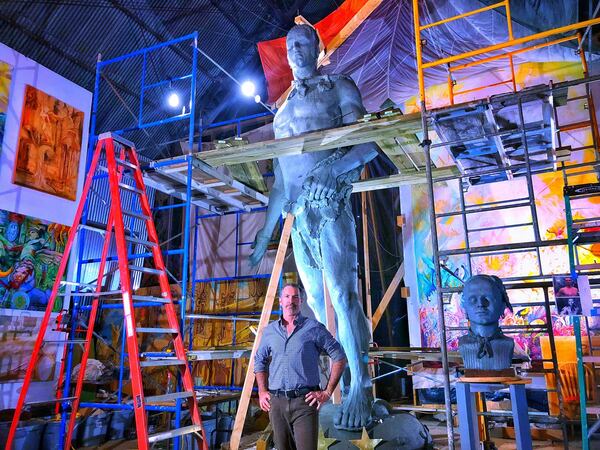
pixel 312 278
pixel 340 261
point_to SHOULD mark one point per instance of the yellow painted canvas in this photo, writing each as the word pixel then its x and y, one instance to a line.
pixel 49 145
pixel 5 77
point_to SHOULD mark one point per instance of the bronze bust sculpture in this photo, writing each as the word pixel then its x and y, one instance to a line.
pixel 485 347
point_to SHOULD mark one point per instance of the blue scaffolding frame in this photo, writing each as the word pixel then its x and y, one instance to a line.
pixel 81 261
pixel 79 306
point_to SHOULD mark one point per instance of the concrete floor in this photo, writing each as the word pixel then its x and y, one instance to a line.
pixel 440 436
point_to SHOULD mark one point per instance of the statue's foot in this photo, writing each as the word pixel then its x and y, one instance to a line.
pixel 355 412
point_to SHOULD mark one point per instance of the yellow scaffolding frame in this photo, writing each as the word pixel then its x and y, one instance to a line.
pixel 511 42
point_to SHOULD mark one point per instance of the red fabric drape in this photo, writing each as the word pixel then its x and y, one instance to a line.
pixel 273 53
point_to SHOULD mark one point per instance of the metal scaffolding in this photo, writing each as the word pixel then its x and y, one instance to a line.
pixel 498 152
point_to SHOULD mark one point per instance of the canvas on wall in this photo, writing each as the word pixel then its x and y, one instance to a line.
pixel 30 253
pixel 49 145
pixel 5 78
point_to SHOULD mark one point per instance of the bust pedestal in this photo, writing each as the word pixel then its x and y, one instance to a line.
pixel 467 412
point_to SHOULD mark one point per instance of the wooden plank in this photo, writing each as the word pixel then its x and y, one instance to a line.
pixel 402 179
pixel 353 134
pixel 367 265
pixel 240 416
pixel 336 398
pixel 265 439
pixel 367 262
pixel 387 297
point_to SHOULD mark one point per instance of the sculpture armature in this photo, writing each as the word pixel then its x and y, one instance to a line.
pixel 315 188
pixel 485 347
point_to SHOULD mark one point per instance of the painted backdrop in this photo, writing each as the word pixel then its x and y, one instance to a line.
pixel 5 77
pixel 549 204
pixel 30 253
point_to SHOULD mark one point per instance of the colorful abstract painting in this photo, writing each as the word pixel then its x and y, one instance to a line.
pixel 49 145
pixel 5 78
pixel 30 253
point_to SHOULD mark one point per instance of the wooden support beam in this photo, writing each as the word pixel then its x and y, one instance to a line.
pixel 336 398
pixel 240 416
pixel 387 297
pixel 402 179
pixel 367 263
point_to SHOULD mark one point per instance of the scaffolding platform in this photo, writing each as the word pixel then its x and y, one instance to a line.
pixel 215 354
pixel 487 134
pixel 211 189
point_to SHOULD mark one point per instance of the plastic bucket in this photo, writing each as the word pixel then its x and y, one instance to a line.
pixel 120 424
pixel 52 432
pixel 224 430
pixel 28 436
pixel 93 430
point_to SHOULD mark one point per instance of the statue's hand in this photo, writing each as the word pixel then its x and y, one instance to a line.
pixel 320 184
pixel 260 244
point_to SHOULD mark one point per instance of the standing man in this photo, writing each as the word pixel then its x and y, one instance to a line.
pixel 316 187
pixel 287 373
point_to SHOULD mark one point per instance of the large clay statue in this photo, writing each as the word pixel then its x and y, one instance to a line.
pixel 315 188
pixel 485 347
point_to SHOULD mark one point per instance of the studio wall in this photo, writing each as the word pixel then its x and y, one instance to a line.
pixel 44 121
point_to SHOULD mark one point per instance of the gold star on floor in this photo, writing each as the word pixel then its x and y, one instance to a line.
pixel 324 442
pixel 364 443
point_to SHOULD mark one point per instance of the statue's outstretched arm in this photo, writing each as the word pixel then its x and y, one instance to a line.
pixel 276 203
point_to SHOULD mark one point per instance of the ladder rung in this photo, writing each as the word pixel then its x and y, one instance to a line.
pixel 94 294
pixel 49 402
pixel 591 359
pixel 68 341
pixel 138 215
pixel 173 433
pixel 162 362
pixel 157 330
pixel 140 241
pixel 130 188
pixel 127 164
pixel 146 270
pixel 101 231
pixel 168 397
pixel 149 298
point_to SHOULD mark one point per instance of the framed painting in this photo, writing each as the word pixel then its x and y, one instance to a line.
pixel 49 145
pixel 5 77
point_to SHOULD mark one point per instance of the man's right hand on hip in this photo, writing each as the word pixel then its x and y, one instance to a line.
pixel 264 400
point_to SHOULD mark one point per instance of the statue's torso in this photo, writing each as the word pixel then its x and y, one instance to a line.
pixel 502 349
pixel 318 108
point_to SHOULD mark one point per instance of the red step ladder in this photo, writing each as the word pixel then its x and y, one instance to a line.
pixel 116 167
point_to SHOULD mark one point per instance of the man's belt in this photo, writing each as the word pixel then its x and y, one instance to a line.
pixel 294 393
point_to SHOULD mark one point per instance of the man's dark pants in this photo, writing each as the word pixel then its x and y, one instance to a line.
pixel 295 423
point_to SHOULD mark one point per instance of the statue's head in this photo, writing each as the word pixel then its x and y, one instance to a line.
pixel 484 299
pixel 302 46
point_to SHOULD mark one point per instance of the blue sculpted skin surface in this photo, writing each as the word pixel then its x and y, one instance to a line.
pixel 485 347
pixel 315 188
